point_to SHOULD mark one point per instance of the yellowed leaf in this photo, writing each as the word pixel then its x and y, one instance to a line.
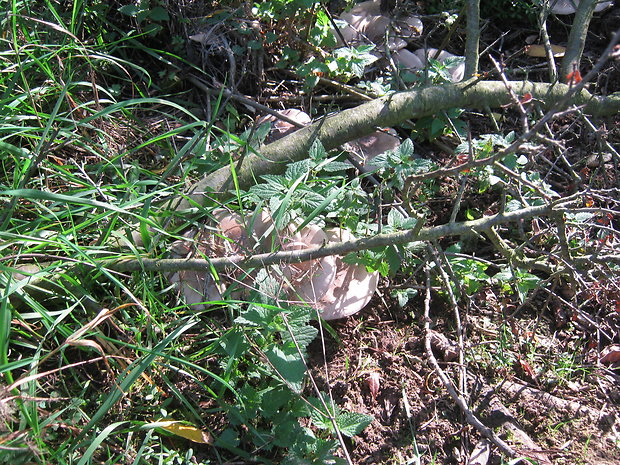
pixel 185 431
pixel 538 50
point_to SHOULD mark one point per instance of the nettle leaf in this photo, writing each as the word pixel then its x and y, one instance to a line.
pixel 353 423
pixel 513 205
pixel 525 283
pixel 269 287
pixel 309 198
pixel 257 315
pixel 580 217
pixel 349 423
pixel 296 170
pixel 303 333
pixel 288 365
pixel 404 296
pixel 276 181
pixel 273 399
pixel 234 343
pixel 317 151
pixel 336 166
pixel 394 259
pixel 396 220
pixel 405 151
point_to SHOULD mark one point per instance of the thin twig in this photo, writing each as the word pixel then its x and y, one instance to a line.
pixel 458 399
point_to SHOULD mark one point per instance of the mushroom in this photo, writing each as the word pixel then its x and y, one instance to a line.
pixel 281 128
pixel 352 288
pixel 365 22
pixel 368 147
pixel 568 7
pixel 195 286
pixel 335 288
pixel 229 238
pixel 312 279
pixel 419 59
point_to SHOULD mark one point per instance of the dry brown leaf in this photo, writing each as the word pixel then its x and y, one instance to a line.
pixel 186 431
pixel 611 354
pixel 539 51
pixel 374 384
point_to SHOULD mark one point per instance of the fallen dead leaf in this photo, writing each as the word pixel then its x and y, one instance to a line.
pixel 374 384
pixel 611 354
pixel 538 50
pixel 186 431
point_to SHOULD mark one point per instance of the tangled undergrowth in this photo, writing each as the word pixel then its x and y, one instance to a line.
pixel 496 325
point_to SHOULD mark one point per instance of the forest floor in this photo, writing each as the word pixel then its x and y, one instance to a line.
pixel 539 365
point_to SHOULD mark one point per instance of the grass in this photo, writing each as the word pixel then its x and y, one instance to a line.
pixel 71 130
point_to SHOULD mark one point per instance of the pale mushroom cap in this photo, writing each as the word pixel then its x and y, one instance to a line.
pixel 410 27
pixel 408 60
pixel 368 147
pixel 333 287
pixel 368 8
pixel 281 128
pixel 231 227
pixel 311 280
pixel 366 22
pixel 568 7
pixel 353 286
pixel 196 287
pixel 370 27
pixel 264 229
pixel 457 71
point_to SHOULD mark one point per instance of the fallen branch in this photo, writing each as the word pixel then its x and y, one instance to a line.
pixel 340 248
pixel 529 395
pixel 395 108
pixel 387 111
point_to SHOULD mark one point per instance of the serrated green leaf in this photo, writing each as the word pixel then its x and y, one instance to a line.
pixel 395 218
pixel 317 151
pixel 158 14
pixel 303 336
pixel 513 205
pixel 580 217
pixel 288 365
pixel 336 166
pixel 297 170
pixel 257 315
pixel 352 423
pixel 404 295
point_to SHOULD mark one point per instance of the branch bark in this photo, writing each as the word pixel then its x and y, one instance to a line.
pixel 386 111
pixel 577 37
pixel 341 248
pixel 472 43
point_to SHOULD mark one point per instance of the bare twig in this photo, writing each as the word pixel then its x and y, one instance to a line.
pixel 458 399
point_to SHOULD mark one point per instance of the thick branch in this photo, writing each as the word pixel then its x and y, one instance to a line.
pixel 387 111
pixel 472 44
pixel 577 37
